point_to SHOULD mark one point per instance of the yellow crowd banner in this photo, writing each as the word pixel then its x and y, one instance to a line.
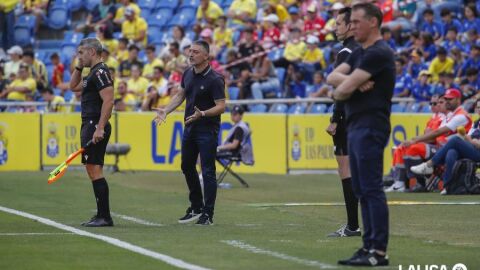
pixel 159 147
pixel 310 147
pixel 19 142
pixel 61 137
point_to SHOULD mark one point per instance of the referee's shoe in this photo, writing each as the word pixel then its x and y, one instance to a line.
pixel 190 216
pixel 97 221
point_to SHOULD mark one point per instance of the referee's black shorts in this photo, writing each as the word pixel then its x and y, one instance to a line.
pixel 340 140
pixel 95 153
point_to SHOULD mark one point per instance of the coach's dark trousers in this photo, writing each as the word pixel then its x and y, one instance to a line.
pixel 203 140
pixel 366 147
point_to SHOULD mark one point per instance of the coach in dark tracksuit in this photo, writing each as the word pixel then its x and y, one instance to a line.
pixel 338 129
pixel 367 82
pixel 204 90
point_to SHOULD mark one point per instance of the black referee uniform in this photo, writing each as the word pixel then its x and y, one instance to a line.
pixel 201 137
pixel 340 137
pixel 341 148
pixel 98 79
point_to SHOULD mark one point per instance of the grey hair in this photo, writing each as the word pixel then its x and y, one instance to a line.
pixel 92 43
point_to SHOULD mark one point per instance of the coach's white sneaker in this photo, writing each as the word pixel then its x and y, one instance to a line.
pixel 398 186
pixel 422 169
pixel 443 192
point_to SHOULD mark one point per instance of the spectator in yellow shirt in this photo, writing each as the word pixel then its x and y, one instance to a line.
pixel 441 64
pixel 135 28
pixel 222 36
pixel 151 99
pixel 281 12
pixel 294 50
pixel 22 86
pixel 120 14
pixel 152 61
pixel 121 54
pixel 242 10
pixel 314 55
pixel 124 102
pixel 178 62
pixel 159 81
pixel 208 12
pixel 54 102
pixel 137 84
pixel 109 60
pixel 105 35
pixel 38 71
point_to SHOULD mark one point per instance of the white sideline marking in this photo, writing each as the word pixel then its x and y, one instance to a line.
pixel 341 204
pixel 136 220
pixel 256 250
pixel 113 241
pixel 33 234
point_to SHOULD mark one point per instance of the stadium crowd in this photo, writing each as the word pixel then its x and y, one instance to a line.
pixel 265 49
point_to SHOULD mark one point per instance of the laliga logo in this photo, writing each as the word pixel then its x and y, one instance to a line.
pixel 458 266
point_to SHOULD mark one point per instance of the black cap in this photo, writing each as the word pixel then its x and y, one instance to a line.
pixel 238 109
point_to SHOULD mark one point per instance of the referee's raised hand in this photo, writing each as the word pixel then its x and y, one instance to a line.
pixel 195 116
pixel 161 116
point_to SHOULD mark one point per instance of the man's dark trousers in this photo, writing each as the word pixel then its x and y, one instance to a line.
pixel 366 146
pixel 203 140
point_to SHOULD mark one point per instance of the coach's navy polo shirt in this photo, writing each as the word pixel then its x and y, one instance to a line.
pixel 201 90
pixel 372 108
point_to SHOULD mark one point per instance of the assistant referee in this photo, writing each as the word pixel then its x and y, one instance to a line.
pixel 204 90
pixel 96 106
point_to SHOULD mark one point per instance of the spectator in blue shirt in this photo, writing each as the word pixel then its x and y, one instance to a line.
pixel 451 41
pixel 430 26
pixel 472 40
pixel 403 81
pixel 417 64
pixel 387 37
pixel 472 62
pixel 422 90
pixel 428 47
pixel 445 81
pixel 473 79
pixel 298 88
pixel 471 20
pixel 319 87
pixel 449 22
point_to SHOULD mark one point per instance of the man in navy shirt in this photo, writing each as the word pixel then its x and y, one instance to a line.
pixel 403 81
pixel 449 22
pixel 204 90
pixel 430 26
pixel 367 82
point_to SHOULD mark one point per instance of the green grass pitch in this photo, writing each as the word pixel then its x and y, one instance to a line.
pixel 277 237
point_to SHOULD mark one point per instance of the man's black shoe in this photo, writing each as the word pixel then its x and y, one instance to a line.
pixel 359 253
pixel 190 216
pixel 98 222
pixel 371 259
pixel 204 219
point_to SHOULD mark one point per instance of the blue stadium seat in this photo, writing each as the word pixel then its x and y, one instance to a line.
pixel 233 93
pixel 297 109
pixel 414 107
pixel 279 108
pixel 190 4
pixel 275 54
pixel 117 35
pixel 68 95
pixel 219 2
pixel 258 108
pixel 147 4
pixel 160 18
pixel 61 3
pixel 145 13
pixel 90 4
pixel 91 35
pixel 26 21
pixel 68 52
pixel 58 17
pixel 72 37
pixel 426 109
pixel 398 108
pixel 280 74
pixel 23 35
pixel 318 108
pixel 190 34
pixel 183 17
pixel 66 75
pixel 49 67
pixel 75 5
pixel 171 4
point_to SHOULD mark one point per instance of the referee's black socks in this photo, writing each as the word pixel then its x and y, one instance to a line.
pixel 100 188
pixel 351 203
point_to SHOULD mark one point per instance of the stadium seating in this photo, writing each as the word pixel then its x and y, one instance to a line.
pixel 258 108
pixel 90 4
pixel 398 108
pixel 76 5
pixel 58 17
pixel 183 17
pixel 318 108
pixel 171 4
pixel 23 35
pixel 279 108
pixel 297 109
pixel 190 4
